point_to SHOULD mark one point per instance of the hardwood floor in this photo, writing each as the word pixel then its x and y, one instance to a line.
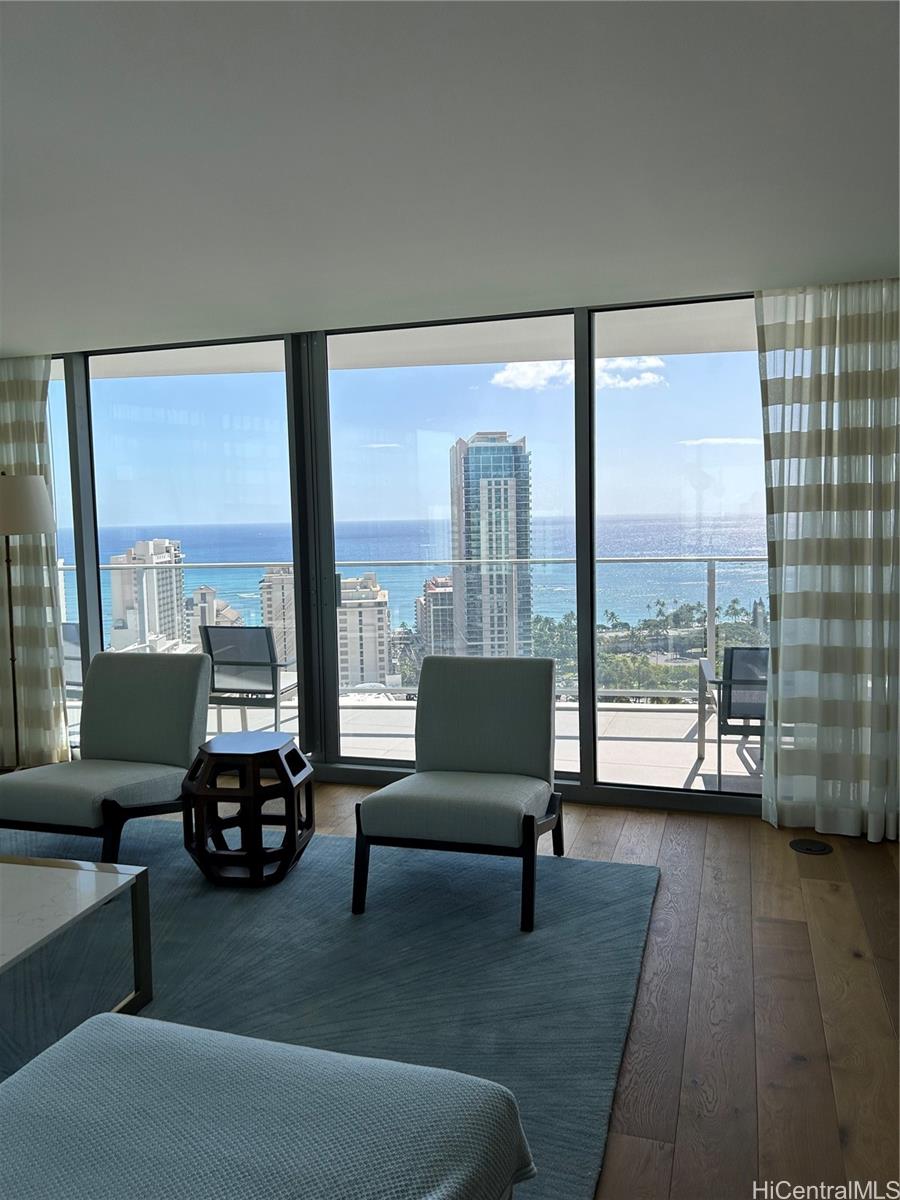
pixel 764 1039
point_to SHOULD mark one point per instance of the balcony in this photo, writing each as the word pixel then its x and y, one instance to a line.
pixel 646 703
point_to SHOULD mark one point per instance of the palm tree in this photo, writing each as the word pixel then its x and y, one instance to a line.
pixel 735 611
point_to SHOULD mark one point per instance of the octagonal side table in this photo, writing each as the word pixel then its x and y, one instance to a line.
pixel 249 770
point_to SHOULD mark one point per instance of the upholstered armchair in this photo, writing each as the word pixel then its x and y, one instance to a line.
pixel 142 718
pixel 483 782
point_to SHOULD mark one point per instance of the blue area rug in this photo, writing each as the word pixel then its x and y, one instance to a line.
pixel 435 972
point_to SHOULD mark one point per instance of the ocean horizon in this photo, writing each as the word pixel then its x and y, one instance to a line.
pixel 628 589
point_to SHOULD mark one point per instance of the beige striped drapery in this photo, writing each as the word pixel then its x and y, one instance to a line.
pixel 25 448
pixel 829 359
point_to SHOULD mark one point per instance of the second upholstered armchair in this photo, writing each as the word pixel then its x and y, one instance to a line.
pixel 483 781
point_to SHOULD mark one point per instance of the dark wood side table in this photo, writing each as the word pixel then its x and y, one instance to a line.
pixel 249 770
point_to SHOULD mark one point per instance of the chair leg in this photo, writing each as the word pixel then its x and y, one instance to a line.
pixel 360 869
pixel 529 873
pixel 113 821
pixel 559 846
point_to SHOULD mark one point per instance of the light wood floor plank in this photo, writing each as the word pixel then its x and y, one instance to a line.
pixel 647 1098
pixel 599 834
pixel 336 807
pixel 634 1168
pixel 715 1143
pixel 641 837
pixel 862 1048
pixel 820 866
pixel 776 877
pixel 799 1138
pixel 874 880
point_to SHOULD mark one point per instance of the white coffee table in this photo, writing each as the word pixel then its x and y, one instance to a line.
pixel 40 897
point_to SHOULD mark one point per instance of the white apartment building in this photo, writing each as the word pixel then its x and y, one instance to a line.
pixel 203 607
pixel 276 593
pixel 364 632
pixel 434 615
pixel 147 604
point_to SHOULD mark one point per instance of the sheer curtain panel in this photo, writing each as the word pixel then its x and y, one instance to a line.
pixel 831 415
pixel 25 450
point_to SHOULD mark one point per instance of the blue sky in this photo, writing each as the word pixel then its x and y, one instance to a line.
pixel 677 434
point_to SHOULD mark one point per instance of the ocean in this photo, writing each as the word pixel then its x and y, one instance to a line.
pixel 628 589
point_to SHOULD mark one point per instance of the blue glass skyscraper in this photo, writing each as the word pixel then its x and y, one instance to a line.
pixel 490 511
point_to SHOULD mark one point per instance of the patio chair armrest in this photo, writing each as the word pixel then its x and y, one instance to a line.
pixel 708 671
pixel 709 684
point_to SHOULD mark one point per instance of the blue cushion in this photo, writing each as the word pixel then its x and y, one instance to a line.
pixel 70 793
pixel 455 806
pixel 128 1106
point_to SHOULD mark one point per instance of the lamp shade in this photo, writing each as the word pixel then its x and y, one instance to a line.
pixel 25 505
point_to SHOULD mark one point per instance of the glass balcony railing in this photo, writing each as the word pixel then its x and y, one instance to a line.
pixel 656 618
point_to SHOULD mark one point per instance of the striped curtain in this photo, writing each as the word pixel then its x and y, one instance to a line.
pixel 829 358
pixel 25 448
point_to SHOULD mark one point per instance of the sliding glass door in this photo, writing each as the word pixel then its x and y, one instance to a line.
pixel 680 537
pixel 453 482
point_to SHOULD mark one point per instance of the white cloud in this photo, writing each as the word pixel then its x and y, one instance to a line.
pixel 633 372
pixel 722 441
pixel 381 446
pixel 637 363
pixel 611 379
pixel 535 376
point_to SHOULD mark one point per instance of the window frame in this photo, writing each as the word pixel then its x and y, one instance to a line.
pixel 315 581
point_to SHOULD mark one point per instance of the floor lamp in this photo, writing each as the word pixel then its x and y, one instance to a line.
pixel 25 508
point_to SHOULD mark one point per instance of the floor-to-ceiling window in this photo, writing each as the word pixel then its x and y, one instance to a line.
pixel 453 484
pixel 451 510
pixel 680 535
pixel 193 502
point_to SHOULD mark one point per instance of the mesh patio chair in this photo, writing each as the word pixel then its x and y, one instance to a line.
pixel 246 672
pixel 739 698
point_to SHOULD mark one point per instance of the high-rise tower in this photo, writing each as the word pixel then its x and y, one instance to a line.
pixel 490 514
pixel 147 603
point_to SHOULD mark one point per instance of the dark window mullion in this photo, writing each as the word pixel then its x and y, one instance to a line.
pixel 84 507
pixel 306 365
pixel 584 544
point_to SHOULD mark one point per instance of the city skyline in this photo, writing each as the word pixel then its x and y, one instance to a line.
pixel 478 610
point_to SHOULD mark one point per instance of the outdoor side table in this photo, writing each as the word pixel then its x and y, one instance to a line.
pixel 248 770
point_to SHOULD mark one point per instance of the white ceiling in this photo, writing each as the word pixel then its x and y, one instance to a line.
pixel 178 171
